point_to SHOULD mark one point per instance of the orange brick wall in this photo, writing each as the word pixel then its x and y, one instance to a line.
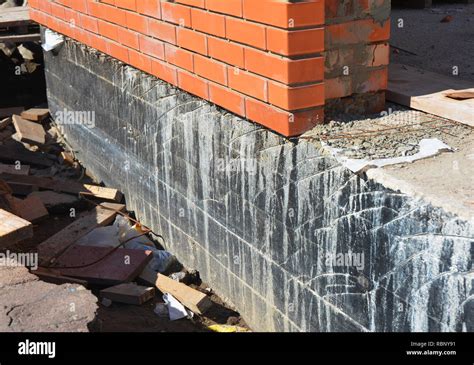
pixel 356 47
pixel 260 59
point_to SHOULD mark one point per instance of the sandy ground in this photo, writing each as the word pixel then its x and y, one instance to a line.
pixel 436 46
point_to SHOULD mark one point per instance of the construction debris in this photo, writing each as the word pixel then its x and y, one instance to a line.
pixel 35 114
pixel 15 169
pixel 29 132
pixel 194 300
pixel 128 293
pixel 32 209
pixel 57 244
pixel 102 246
pixel 13 229
pixel 101 265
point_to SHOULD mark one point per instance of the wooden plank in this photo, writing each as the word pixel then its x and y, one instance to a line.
pixel 129 293
pixel 194 300
pixel 8 154
pixel 14 16
pixel 52 276
pixel 29 132
pixel 20 38
pixel 97 217
pixel 56 201
pixel 35 114
pixel 6 199
pixel 5 123
pixel 65 186
pixel 102 265
pixel 22 189
pixel 19 169
pixel 32 209
pixel 426 91
pixel 13 229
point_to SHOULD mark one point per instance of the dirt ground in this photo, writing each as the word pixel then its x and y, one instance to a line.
pixel 430 44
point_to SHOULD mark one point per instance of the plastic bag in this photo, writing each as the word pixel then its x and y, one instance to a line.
pixel 121 231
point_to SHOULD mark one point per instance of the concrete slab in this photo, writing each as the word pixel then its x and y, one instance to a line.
pixel 31 305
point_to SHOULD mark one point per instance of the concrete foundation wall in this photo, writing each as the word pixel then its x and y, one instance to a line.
pixel 258 215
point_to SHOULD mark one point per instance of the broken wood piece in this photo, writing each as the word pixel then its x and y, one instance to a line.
pixel 6 199
pixel 29 132
pixel 426 91
pixel 32 209
pixel 13 229
pixel 35 114
pixel 19 169
pixel 22 189
pixel 5 123
pixel 461 95
pixel 12 155
pixel 193 299
pixel 67 158
pixel 129 293
pixel 102 265
pixel 52 276
pixel 57 202
pixel 65 186
pixel 58 243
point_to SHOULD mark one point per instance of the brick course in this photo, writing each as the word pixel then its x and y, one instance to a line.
pixel 261 59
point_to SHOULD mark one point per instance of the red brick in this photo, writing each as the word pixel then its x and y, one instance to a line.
pixel 294 98
pixel 164 71
pixel 198 3
pixel 176 13
pixel 210 69
pixel 283 69
pixel 294 43
pixel 231 7
pixel 149 7
pixel 162 30
pixel 283 14
pixel 192 40
pixel 227 99
pixel 127 4
pixel 226 51
pixel 179 57
pixel 140 61
pixel 193 84
pixel 246 32
pixel 137 22
pixel 152 47
pixel 207 22
pixel 128 38
pixel 248 83
pixel 283 122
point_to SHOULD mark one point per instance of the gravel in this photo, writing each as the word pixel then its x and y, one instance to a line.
pixel 393 134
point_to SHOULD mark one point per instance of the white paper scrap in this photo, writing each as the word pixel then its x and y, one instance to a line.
pixel 428 148
pixel 52 40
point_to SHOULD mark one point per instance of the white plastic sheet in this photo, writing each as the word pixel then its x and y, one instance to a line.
pixel 428 148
